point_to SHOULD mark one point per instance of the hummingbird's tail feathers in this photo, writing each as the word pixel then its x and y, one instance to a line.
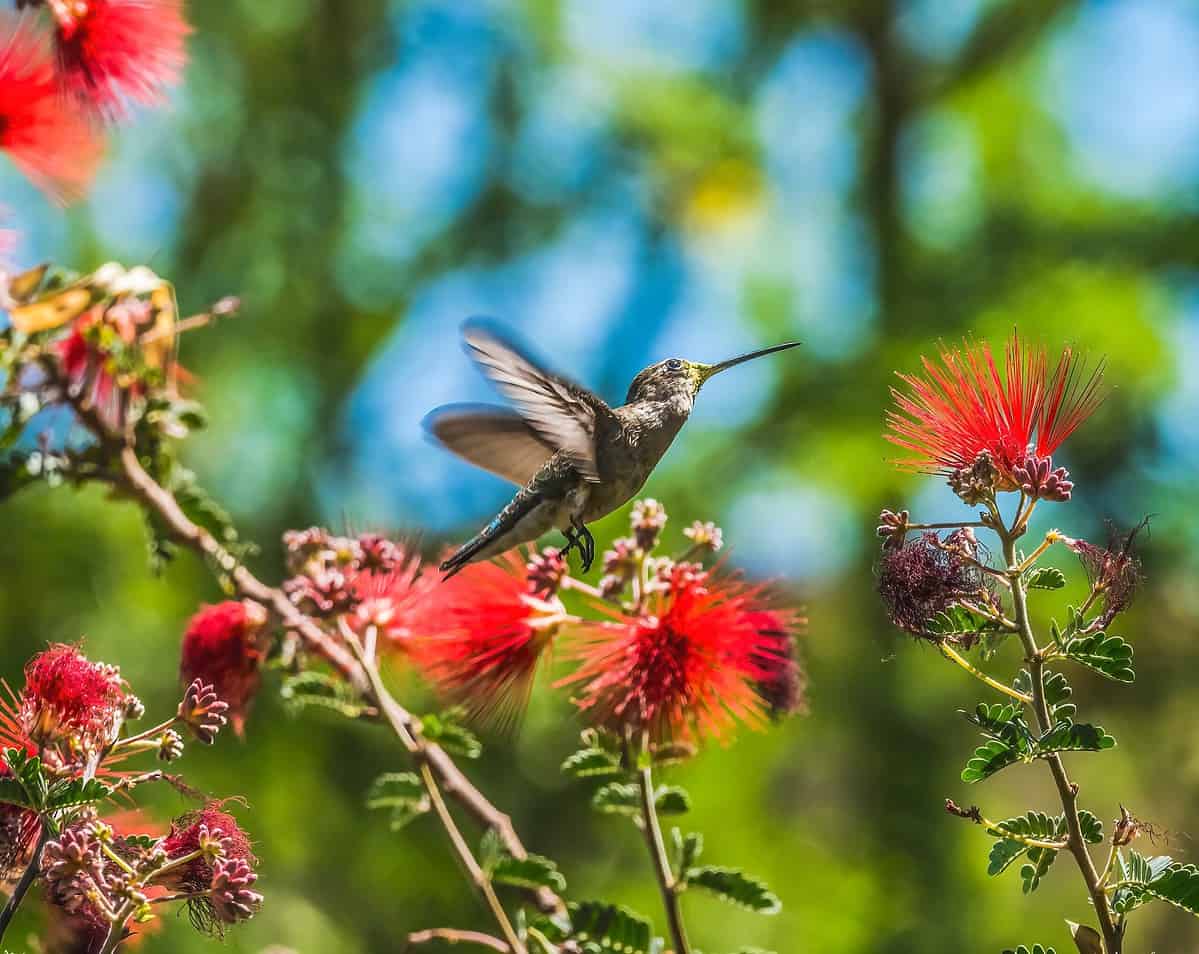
pixel 489 541
pixel 494 438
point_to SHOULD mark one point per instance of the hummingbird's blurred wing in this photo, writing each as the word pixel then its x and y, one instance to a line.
pixel 563 414
pixel 494 438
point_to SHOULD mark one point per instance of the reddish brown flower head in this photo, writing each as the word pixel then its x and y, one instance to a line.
pixel 927 576
pixel 1114 570
pixel 71 702
pixel 116 52
pixel 215 834
pixel 963 406
pixel 48 139
pixel 490 634
pixel 19 829
pixel 222 647
pixel 694 663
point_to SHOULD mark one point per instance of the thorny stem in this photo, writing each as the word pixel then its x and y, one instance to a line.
pixel 1067 791
pixel 955 657
pixel 399 724
pixel 667 883
pixel 27 878
pixel 454 782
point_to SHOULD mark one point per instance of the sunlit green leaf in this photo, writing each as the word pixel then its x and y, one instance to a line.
pixel 1108 655
pixel 734 886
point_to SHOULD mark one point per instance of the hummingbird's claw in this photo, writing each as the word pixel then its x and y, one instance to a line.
pixel 579 538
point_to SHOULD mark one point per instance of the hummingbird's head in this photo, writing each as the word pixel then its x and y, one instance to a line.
pixel 678 380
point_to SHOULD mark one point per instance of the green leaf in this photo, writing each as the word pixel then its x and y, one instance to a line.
pixel 687 848
pixel 611 928
pixel 617 798
pixel 71 793
pixel 671 800
pixel 1108 655
pixel 448 732
pixel 1025 949
pixel 27 771
pixel 1092 827
pixel 1057 692
pixel 1045 578
pixel 1039 861
pixel 1073 737
pixel 958 621
pixel 989 758
pixel 400 792
pixel 1160 879
pixel 321 690
pixel 533 871
pixel 1036 825
pixel 591 762
pixel 734 886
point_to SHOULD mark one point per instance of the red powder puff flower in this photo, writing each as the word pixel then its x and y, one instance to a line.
pixel 114 52
pixel 71 702
pixel 695 663
pixel 48 139
pixel 782 683
pixel 964 407
pixel 389 591
pixel 221 648
pixel 493 622
pixel 1114 571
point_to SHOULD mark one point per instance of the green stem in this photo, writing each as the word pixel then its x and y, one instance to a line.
pixel 27 879
pixel 667 883
pixel 1067 791
pixel 955 657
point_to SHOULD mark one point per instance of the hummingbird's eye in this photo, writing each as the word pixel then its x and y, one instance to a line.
pixel 674 364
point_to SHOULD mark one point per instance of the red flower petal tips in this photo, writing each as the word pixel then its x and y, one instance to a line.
pixel 116 52
pixel 221 648
pixel 46 137
pixel 963 407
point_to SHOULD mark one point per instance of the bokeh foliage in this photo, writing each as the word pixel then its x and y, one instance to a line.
pixel 868 176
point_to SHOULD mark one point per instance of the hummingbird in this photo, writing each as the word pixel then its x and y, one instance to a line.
pixel 574 458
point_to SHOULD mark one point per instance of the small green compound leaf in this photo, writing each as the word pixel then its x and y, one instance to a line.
pixel 318 689
pixel 1107 655
pixel 451 735
pixel 1036 825
pixel 1040 860
pixel 995 720
pixel 71 793
pixel 533 871
pixel 1166 880
pixel 671 800
pixel 1025 949
pixel 27 772
pixel 736 887
pixel 1070 736
pixel 958 621
pixel 989 758
pixel 400 792
pixel 611 927
pixel 591 762
pixel 1092 827
pixel 1045 578
pixel 617 798
pixel 687 848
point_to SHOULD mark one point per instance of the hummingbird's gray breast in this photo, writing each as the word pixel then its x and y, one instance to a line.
pixel 629 455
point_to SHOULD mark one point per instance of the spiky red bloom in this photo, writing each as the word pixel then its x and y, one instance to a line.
pixel 784 683
pixel 221 647
pixel 70 700
pixel 391 594
pixel 116 52
pixel 694 663
pixel 48 139
pixel 963 406
pixel 491 630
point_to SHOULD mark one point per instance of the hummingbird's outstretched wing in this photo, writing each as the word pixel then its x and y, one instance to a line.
pixel 563 414
pixel 494 438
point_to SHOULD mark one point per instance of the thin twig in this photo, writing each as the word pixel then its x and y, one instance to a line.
pixel 452 936
pixel 955 657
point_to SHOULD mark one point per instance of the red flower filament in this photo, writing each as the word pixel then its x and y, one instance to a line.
pixel 70 701
pixel 963 407
pixel 221 648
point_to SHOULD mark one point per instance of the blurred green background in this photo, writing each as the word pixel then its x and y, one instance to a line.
pixel 621 182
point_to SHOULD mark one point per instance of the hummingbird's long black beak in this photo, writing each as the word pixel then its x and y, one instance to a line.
pixel 707 370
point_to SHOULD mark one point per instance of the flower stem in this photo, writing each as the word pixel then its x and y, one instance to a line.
pixel 1067 791
pixel 451 936
pixel 667 883
pixel 955 657
pixel 474 871
pixel 27 879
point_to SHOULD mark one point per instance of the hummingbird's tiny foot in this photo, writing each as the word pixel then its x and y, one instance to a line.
pixel 586 544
